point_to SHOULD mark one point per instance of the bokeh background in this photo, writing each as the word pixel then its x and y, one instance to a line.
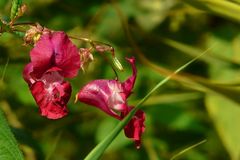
pixel 202 102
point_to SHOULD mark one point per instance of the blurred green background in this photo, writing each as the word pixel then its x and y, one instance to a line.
pixel 200 103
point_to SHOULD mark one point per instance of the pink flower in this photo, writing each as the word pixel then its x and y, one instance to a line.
pixel 53 58
pixel 111 97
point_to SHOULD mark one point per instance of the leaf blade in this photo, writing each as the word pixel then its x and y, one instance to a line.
pixel 16 4
pixel 8 144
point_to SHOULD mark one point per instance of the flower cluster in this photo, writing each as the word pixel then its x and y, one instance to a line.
pixel 53 58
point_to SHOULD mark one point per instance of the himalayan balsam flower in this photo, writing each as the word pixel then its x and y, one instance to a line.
pixel 111 97
pixel 53 58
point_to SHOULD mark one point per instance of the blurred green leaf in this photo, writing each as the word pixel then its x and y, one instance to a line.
pixel 16 4
pixel 8 145
pixel 15 78
pixel 170 98
pixel 106 126
pixel 193 52
pixel 2 4
pixel 220 7
pixel 154 11
pixel 226 115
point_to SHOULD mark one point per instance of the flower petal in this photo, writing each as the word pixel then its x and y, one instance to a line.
pixel 104 94
pixel 66 55
pixel 55 50
pixel 109 95
pixel 129 83
pixel 28 69
pixel 135 127
pixel 52 102
pixel 42 55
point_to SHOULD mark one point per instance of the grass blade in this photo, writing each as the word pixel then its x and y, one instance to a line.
pixel 187 149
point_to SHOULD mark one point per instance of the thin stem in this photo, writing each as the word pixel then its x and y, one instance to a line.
pixel 101 48
pixel 93 43
pixel 187 149
pixel 24 23
pixel 5 68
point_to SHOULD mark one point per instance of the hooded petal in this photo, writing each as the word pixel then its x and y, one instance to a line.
pixel 51 95
pixel 104 94
pixel 109 95
pixel 135 127
pixel 55 50
pixel 129 83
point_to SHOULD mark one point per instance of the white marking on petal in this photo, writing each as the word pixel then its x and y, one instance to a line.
pixel 51 80
pixel 115 100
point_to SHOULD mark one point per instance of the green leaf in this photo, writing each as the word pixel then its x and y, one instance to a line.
pixel 219 7
pixel 16 4
pixel 224 112
pixel 97 152
pixel 8 145
pixel 226 117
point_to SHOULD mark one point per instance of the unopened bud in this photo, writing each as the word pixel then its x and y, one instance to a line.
pixel 117 64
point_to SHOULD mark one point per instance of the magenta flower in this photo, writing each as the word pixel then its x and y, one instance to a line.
pixel 111 97
pixel 53 58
